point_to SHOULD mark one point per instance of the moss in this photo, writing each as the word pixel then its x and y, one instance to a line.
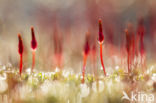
pixel 52 99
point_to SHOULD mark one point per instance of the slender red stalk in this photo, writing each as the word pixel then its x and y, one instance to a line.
pixel 21 63
pixel 33 46
pixel 128 49
pixel 101 57
pixel 84 66
pixel 33 59
pixel 101 39
pixel 86 52
pixel 140 35
pixel 128 61
pixel 20 51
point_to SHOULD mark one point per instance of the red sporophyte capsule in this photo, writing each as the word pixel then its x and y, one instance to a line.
pixel 128 48
pixel 20 45
pixel 127 40
pixel 33 41
pixel 141 28
pixel 140 41
pixel 86 52
pixel 33 46
pixel 101 37
pixel 140 34
pixel 20 50
pixel 87 47
pixel 130 45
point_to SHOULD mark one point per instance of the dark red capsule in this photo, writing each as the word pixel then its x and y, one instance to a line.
pixel 141 28
pixel 101 36
pixel 87 46
pixel 33 41
pixel 20 45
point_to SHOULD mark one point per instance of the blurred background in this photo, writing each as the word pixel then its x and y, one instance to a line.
pixel 61 25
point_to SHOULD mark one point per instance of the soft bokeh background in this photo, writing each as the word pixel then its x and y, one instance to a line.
pixel 73 18
pixel 60 27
